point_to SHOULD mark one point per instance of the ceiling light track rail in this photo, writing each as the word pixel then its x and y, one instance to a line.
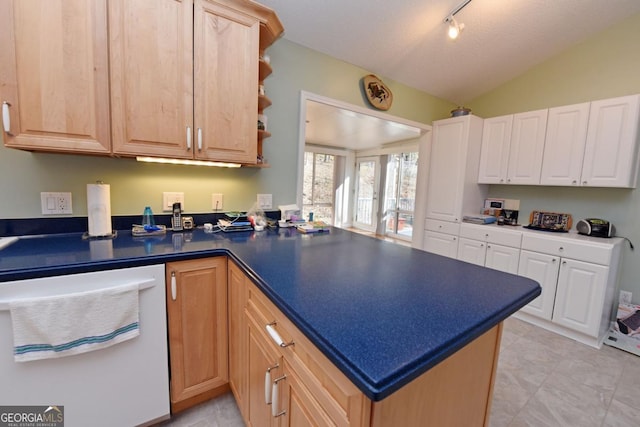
pixel 456 10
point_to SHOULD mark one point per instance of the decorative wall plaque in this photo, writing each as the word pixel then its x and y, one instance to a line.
pixel 378 94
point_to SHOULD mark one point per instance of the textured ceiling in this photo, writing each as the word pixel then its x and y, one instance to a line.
pixel 406 41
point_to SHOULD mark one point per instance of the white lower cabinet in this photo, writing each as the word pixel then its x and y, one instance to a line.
pixel 472 251
pixel 441 237
pixel 580 295
pixel 578 274
pixel 440 243
pixel 542 268
pixel 489 246
pixel 578 277
pixel 502 258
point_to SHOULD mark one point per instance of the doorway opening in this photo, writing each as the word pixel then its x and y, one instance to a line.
pixel 358 168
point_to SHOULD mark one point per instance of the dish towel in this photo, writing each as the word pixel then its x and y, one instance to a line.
pixel 62 325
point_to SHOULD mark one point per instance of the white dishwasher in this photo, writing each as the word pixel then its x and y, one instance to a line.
pixel 126 384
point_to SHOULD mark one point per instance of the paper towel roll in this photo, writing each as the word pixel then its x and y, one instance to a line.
pixel 99 209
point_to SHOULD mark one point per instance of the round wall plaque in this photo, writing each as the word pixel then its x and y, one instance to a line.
pixel 378 94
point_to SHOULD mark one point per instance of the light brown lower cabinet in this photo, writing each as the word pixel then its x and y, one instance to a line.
pixel 197 327
pixel 294 384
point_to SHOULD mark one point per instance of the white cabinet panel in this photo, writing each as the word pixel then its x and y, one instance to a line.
pixel 441 244
pixel 564 145
pixel 472 251
pixel 453 171
pixel 580 295
pixel 542 268
pixel 502 258
pixel 527 146
pixel 494 157
pixel 610 158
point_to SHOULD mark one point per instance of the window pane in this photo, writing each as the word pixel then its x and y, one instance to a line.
pixel 323 181
pixel 307 184
pixel 408 177
pixel 391 188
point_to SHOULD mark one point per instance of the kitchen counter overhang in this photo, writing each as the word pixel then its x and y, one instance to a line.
pixel 382 313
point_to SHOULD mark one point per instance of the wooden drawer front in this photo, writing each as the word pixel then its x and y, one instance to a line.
pixel 335 393
pixel 442 226
pixel 583 251
pixel 491 234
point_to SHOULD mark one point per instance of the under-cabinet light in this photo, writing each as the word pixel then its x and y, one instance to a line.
pixel 187 162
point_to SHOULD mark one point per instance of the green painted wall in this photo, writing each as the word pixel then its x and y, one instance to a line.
pixel 23 175
pixel 604 66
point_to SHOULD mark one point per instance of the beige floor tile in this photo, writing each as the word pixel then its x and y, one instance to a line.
pixel 621 415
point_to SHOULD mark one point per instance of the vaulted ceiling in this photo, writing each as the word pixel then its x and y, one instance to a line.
pixel 406 40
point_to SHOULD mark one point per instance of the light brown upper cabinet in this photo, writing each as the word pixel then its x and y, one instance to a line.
pixel 54 79
pixel 184 79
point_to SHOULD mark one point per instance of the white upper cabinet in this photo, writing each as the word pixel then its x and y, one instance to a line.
pixel 453 170
pixel 512 148
pixel 592 144
pixel 611 152
pixel 494 157
pixel 527 147
pixel 564 145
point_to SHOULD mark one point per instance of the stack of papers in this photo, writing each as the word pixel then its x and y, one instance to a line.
pixel 235 221
pixel 479 219
pixel 226 225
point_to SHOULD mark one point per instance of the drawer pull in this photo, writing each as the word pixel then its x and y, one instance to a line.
pixel 6 118
pixel 267 384
pixel 174 286
pixel 274 395
pixel 275 336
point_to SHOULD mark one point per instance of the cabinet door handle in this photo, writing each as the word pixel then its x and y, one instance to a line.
pixel 267 384
pixel 199 139
pixel 584 182
pixel 174 286
pixel 6 118
pixel 188 138
pixel 275 336
pixel 275 397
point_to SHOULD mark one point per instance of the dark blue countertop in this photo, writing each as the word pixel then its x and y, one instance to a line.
pixel 382 313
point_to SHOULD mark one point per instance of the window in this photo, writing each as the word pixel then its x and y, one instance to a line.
pixel 400 194
pixel 318 186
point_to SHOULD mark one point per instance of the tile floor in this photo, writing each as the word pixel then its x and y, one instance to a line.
pixel 543 380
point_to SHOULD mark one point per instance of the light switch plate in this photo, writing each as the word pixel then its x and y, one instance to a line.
pixel 265 201
pixel 55 203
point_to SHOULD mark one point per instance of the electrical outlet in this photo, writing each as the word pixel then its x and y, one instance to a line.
pixel 625 297
pixel 216 201
pixel 169 198
pixel 55 203
pixel 265 201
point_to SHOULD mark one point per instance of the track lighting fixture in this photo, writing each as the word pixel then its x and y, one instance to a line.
pixel 455 28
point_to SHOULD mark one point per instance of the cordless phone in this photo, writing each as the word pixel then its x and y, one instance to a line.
pixel 176 219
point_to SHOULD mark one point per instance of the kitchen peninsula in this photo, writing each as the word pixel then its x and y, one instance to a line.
pixel 410 331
